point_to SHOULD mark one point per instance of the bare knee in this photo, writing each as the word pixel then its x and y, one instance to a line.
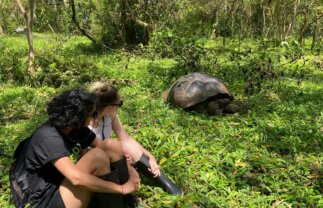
pixel 112 145
pixel 126 147
pixel 112 148
pixel 98 154
pixel 132 149
pixel 95 162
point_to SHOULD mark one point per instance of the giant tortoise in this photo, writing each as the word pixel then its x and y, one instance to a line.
pixel 201 93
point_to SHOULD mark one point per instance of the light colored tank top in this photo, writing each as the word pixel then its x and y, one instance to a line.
pixel 104 129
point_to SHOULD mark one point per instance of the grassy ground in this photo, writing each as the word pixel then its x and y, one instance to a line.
pixel 269 155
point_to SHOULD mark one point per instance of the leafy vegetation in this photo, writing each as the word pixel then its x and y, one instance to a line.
pixel 268 155
pixel 268 53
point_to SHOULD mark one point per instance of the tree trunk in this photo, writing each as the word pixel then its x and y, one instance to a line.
pixel 213 32
pixel 270 19
pixel 231 16
pixel 30 36
pixel 4 21
pixel 81 29
pixel 314 35
pixel 263 18
pixel 58 7
pixel 292 22
pixel 28 16
pixel 123 20
pixel 301 37
pixel 223 44
pixel 250 31
pixel 216 21
pixel 283 31
pixel 130 24
pixel 146 3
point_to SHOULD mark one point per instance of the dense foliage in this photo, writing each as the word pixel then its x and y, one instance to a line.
pixel 115 22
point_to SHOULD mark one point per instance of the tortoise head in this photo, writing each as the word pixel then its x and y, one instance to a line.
pixel 219 106
pixel 213 108
pixel 232 108
pixel 223 102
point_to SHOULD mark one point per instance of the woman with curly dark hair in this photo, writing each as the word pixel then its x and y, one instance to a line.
pixel 52 171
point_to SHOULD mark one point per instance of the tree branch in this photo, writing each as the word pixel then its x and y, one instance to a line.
pixel 80 28
pixel 75 21
pixel 21 7
pixel 133 18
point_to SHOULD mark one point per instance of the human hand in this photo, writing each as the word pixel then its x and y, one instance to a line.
pixel 133 183
pixel 154 167
pixel 112 115
pixel 130 186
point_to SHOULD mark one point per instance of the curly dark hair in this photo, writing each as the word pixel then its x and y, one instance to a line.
pixel 71 108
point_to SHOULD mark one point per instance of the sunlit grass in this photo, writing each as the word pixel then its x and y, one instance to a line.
pixel 257 158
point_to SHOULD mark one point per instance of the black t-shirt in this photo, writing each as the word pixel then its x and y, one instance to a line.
pixel 46 145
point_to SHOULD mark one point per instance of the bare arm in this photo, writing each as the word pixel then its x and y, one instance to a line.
pixel 96 142
pixel 122 134
pixel 89 182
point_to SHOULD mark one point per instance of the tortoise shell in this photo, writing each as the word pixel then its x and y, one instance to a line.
pixel 195 88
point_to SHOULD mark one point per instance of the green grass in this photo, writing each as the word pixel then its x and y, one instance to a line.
pixel 269 154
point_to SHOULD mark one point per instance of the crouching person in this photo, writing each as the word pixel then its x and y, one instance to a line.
pixel 107 121
pixel 49 169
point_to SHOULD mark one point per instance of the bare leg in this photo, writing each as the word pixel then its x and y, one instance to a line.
pixel 112 148
pixel 132 148
pixel 94 162
pixel 141 161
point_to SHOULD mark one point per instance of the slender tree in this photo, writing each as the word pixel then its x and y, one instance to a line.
pixel 292 22
pixel 3 22
pixel 59 4
pixel 28 17
pixel 317 30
